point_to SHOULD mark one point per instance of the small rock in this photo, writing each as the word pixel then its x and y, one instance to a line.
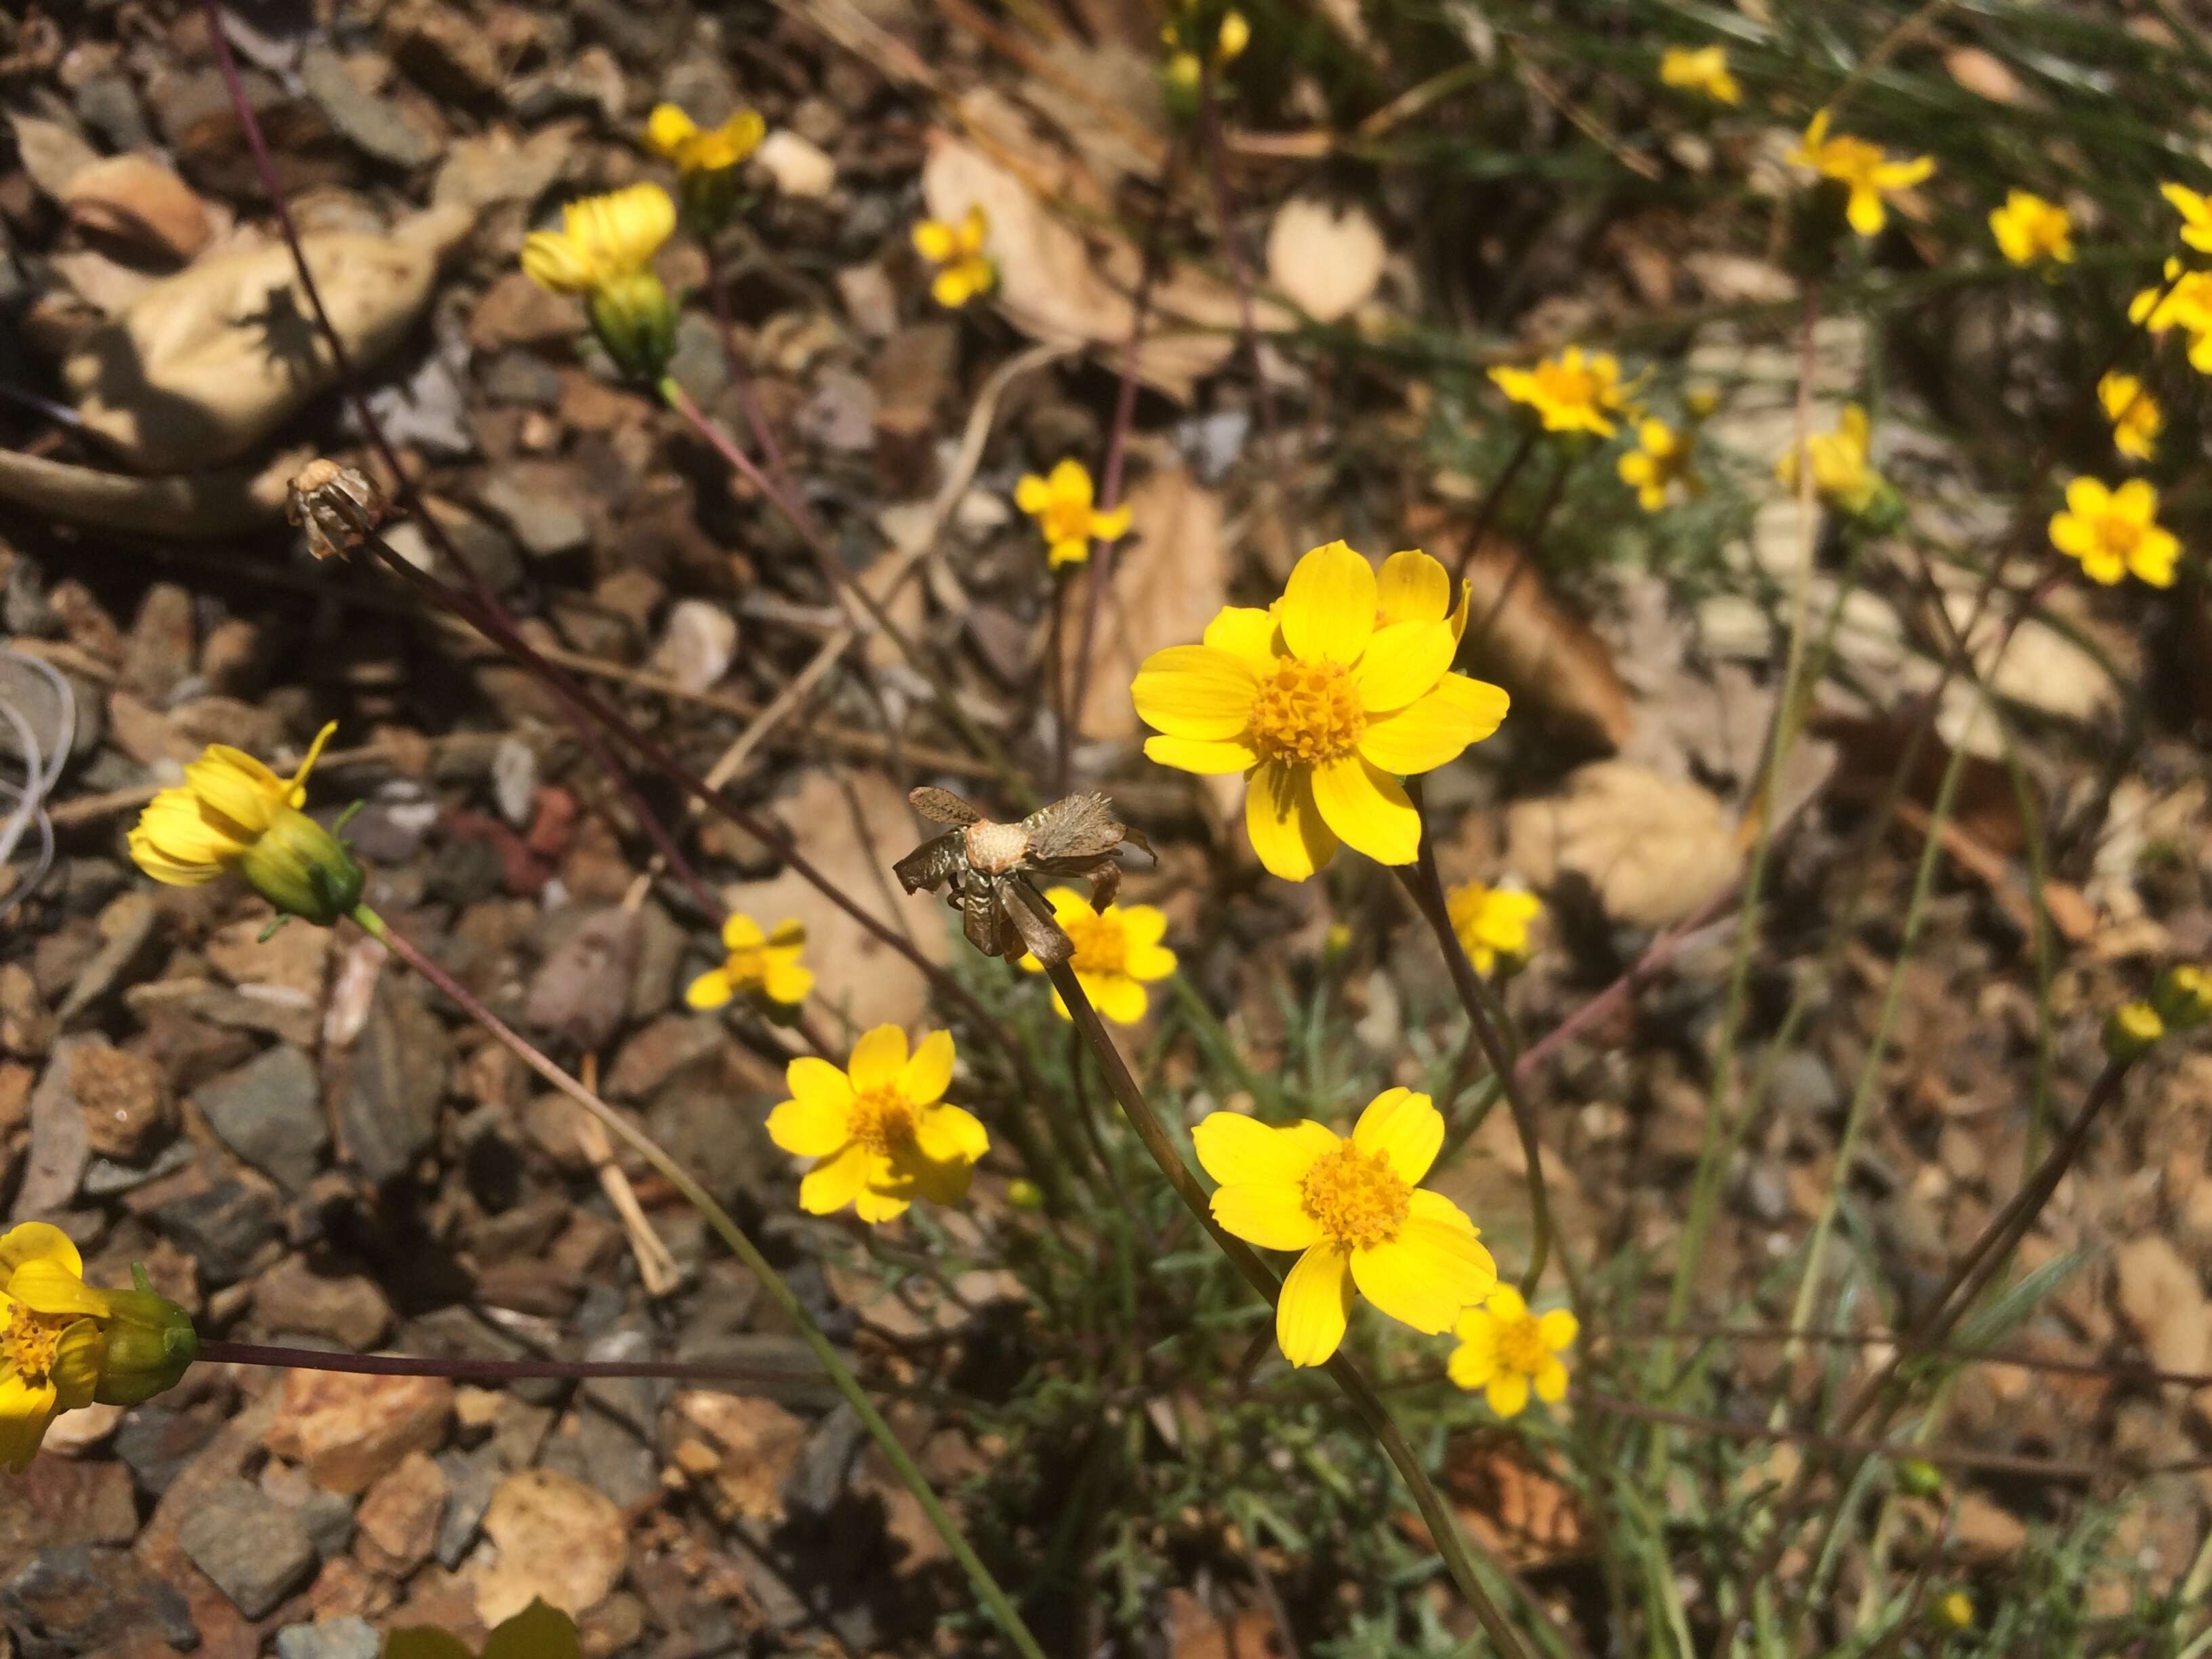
pixel 448 52
pixel 295 1299
pixel 59 1501
pixel 533 502
pixel 157 1441
pixel 1987 1533
pixel 515 311
pixel 696 645
pixel 61 1140
pixel 2163 1301
pixel 521 378
pixel 124 1097
pixel 269 1112
pixel 658 1053
pixel 799 167
pixel 486 168
pixel 126 928
pixel 134 199
pixel 400 1515
pixel 52 153
pixel 471 1478
pixel 109 105
pixel 344 1637
pixel 77 1597
pixel 26 1028
pixel 350 1430
pixel 224 1224
pixel 257 1552
pixel 389 1115
pixel 377 126
pixel 869 299
pixel 581 991
pixel 159 651
pixel 555 1539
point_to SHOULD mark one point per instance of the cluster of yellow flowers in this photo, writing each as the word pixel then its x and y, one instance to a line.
pixel 963 269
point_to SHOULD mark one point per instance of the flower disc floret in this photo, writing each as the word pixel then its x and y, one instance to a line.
pixel 1355 1198
pixel 1307 713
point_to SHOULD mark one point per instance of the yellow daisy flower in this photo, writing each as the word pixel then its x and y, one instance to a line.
pixel 602 241
pixel 2136 416
pixel 1504 1349
pixel 2196 213
pixel 880 1132
pixel 1864 170
pixel 1060 503
pixel 1357 1210
pixel 1117 950
pixel 706 160
pixel 1841 472
pixel 2115 533
pixel 1571 392
pixel 2182 301
pixel 1702 68
pixel 1320 700
pixel 538 1631
pixel 1492 921
pixel 1660 461
pixel 233 814
pixel 963 269
pixel 757 964
pixel 2028 228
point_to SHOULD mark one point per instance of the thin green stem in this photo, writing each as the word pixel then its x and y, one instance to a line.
pixel 1436 1514
pixel 840 1375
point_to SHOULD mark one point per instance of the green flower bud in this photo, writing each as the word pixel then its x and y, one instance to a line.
pixel 635 321
pixel 148 1345
pixel 1917 1478
pixel 2183 997
pixel 302 869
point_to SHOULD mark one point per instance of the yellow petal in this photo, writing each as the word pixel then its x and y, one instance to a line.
pixel 48 1285
pixel 1286 824
pixel 1141 924
pixel 1118 997
pixel 2072 534
pixel 666 129
pixel 1550 1382
pixel 877 1207
pixel 552 261
pixel 1328 605
pixel 1149 961
pixel 1867 216
pixel 1310 1313
pixel 237 786
pixel 1246 632
pixel 297 794
pixel 1110 526
pixel 77 1358
pixel 789 934
pixel 1071 482
pixel 834 1182
pixel 712 989
pixel 1427 1275
pixel 1426 734
pixel 37 1241
pixel 925 1078
pixel 1195 691
pixel 741 933
pixel 2136 501
pixel 1403 661
pixel 1406 1128
pixel 1367 809
pixel 787 982
pixel 1486 705
pixel 816 1081
pixel 952 1134
pixel 876 1059
pixel 1559 1328
pixel 810 1128
pixel 1240 1151
pixel 1207 758
pixel 1032 495
pixel 1505 1304
pixel 1508 1393
pixel 954 286
pixel 932 240
pixel 26 1412
pixel 1412 587
pixel 1473 1363
pixel 1266 1213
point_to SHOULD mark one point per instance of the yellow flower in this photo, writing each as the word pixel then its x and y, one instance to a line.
pixel 538 1631
pixel 1116 951
pixel 2115 533
pixel 1571 392
pixel 1864 171
pixel 757 964
pixel 2028 228
pixel 2183 997
pixel 2196 213
pixel 65 1344
pixel 1841 473
pixel 2136 416
pixel 1060 503
pixel 1703 69
pixel 963 269
pixel 602 239
pixel 1660 460
pixel 2132 1031
pixel 1492 921
pixel 715 149
pixel 234 814
pixel 705 161
pixel 2182 301
pixel 604 250
pixel 880 1132
pixel 1357 1210
pixel 1320 700
pixel 1505 1350
pixel 1956 1610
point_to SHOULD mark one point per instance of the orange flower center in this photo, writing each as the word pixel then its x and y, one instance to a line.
pixel 2115 535
pixel 1851 161
pixel 748 965
pixel 882 1120
pixel 1357 1197
pixel 1521 1345
pixel 1574 388
pixel 1100 946
pixel 1067 518
pixel 1307 712
pixel 31 1340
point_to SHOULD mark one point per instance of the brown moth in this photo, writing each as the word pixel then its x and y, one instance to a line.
pixel 985 869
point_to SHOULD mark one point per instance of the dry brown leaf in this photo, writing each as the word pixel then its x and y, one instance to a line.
pixel 1057 286
pixel 1985 75
pixel 208 362
pixel 1651 849
pixel 1169 583
pixel 1327 258
pixel 1518 636
pixel 1515 1507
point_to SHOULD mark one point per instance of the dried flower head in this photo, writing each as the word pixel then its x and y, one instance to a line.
pixel 336 506
pixel 987 869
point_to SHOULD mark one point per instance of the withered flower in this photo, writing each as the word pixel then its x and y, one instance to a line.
pixel 336 505
pixel 986 870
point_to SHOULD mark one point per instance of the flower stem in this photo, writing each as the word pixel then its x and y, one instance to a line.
pixel 1443 1529
pixel 909 1474
pixel 491 1370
